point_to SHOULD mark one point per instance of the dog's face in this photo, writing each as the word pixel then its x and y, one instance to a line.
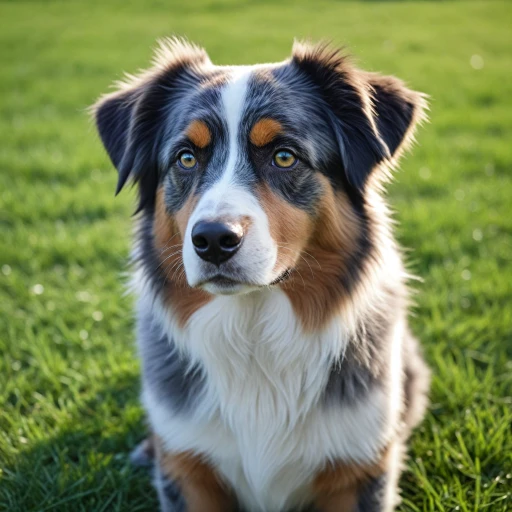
pixel 248 172
pixel 241 162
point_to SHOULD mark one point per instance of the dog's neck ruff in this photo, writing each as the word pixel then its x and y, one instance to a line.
pixel 261 418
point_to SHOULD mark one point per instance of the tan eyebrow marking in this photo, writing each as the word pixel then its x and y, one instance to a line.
pixel 264 131
pixel 199 133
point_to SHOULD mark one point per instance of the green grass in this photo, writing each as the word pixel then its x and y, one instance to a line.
pixel 69 409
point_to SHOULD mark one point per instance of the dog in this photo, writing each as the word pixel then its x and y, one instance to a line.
pixel 278 369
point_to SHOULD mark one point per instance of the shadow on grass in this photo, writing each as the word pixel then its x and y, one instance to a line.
pixel 85 467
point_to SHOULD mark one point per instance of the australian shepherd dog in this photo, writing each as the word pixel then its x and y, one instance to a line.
pixel 278 369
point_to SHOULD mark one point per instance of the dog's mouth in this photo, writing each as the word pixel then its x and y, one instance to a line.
pixel 223 281
pixel 220 284
pixel 226 284
pixel 284 276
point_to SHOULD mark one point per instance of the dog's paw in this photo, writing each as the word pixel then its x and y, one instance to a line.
pixel 170 495
pixel 143 455
pixel 174 497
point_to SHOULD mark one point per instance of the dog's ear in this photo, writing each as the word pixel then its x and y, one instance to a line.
pixel 397 109
pixel 131 120
pixel 114 114
pixel 371 116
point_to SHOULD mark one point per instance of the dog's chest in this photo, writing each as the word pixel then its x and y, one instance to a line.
pixel 262 420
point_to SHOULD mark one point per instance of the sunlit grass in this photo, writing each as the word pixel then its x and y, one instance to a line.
pixel 69 409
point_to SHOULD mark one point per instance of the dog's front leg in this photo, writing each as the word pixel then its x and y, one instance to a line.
pixel 353 487
pixel 187 483
pixel 170 495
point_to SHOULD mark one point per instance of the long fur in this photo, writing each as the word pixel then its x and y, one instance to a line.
pixel 285 377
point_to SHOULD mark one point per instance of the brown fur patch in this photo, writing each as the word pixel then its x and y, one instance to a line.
pixel 314 289
pixel 342 501
pixel 199 484
pixel 183 215
pixel 337 487
pixel 264 131
pixel 168 232
pixel 290 227
pixel 163 225
pixel 199 133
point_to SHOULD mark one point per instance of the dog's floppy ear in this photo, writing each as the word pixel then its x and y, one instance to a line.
pixel 131 120
pixel 114 114
pixel 371 116
pixel 398 110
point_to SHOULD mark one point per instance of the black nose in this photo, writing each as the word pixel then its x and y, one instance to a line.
pixel 216 242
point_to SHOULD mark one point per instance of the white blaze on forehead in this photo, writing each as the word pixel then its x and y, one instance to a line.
pixel 219 195
pixel 228 200
pixel 233 100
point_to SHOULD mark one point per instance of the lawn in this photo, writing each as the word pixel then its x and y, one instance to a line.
pixel 69 409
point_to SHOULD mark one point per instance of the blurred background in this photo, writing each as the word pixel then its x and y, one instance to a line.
pixel 69 409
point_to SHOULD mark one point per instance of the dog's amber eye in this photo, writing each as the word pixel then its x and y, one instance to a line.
pixel 187 160
pixel 284 159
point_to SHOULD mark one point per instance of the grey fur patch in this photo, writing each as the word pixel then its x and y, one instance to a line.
pixel 169 374
pixel 348 382
pixel 372 497
pixel 169 494
pixel 143 455
pixel 363 365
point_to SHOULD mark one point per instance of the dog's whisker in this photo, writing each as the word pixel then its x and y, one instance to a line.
pixel 167 257
pixel 311 256
pixel 300 255
pixel 169 268
pixel 177 269
pixel 172 266
pixel 165 249
pixel 303 283
pixel 183 276
pixel 170 240
pixel 282 244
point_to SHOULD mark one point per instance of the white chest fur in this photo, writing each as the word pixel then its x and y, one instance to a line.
pixel 261 420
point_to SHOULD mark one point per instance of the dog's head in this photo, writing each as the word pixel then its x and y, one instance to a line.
pixel 248 172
